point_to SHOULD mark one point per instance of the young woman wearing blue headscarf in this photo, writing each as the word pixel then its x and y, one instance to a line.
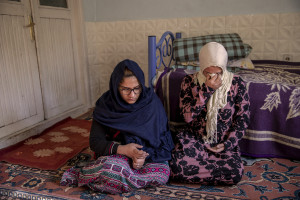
pixel 129 135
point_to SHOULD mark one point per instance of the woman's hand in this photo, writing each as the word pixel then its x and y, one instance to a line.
pixel 132 151
pixel 213 82
pixel 138 163
pixel 216 149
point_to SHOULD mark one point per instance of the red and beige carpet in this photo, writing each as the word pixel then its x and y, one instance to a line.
pixel 52 148
pixel 29 176
pixel 264 179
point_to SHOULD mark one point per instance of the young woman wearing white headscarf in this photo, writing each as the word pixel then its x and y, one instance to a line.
pixel 215 104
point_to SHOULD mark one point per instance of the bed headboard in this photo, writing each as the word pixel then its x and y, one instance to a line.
pixel 165 56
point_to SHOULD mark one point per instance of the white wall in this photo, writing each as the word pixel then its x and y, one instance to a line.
pixel 119 29
pixel 120 10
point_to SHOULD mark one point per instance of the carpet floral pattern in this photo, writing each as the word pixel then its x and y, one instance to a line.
pixel 52 148
pixel 263 179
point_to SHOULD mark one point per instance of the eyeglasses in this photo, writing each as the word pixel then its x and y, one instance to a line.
pixel 127 91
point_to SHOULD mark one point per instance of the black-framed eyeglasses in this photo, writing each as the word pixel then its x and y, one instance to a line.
pixel 127 91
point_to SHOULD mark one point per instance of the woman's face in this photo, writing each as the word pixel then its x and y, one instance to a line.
pixel 130 89
pixel 211 71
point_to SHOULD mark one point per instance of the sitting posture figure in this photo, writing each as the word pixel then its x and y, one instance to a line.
pixel 129 135
pixel 215 106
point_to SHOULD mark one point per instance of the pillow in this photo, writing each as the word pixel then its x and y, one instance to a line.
pixel 187 49
pixel 193 69
pixel 248 49
pixel 190 63
pixel 232 66
pixel 244 63
pixel 186 67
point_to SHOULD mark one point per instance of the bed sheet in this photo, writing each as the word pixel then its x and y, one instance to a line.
pixel 274 129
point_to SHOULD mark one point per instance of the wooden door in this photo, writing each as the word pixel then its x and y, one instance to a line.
pixel 42 69
pixel 20 91
pixel 57 48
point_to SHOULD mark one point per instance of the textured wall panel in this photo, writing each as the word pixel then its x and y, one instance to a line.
pixel 271 35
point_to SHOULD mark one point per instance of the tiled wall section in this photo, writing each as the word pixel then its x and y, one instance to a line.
pixel 271 36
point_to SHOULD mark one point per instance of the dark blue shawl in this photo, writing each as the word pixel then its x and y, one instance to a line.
pixel 144 122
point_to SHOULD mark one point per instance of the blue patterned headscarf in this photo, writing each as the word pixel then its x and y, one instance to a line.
pixel 144 122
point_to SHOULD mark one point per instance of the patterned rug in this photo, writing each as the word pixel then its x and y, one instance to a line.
pixel 52 148
pixel 263 179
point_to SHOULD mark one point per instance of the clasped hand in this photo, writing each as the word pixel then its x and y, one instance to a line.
pixel 217 149
pixel 133 151
pixel 213 82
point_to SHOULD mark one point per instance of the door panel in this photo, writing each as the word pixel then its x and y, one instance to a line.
pixel 20 91
pixel 57 58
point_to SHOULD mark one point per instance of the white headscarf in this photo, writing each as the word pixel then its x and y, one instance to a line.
pixel 214 54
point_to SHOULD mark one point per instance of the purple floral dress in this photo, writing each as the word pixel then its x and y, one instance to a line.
pixel 191 161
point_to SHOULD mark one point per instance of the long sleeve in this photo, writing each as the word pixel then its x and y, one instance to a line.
pixel 98 140
pixel 241 116
pixel 191 102
pixel 233 119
